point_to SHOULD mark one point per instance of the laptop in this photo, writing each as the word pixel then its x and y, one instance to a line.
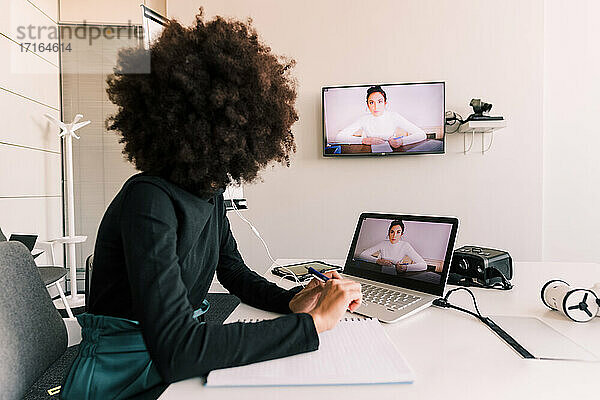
pixel 401 261
pixel 28 241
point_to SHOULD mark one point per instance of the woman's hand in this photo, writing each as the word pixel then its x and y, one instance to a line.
pixel 373 140
pixel 385 262
pixel 306 299
pixel 401 267
pixel 395 142
pixel 338 296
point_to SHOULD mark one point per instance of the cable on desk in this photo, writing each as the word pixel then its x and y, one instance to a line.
pixel 444 303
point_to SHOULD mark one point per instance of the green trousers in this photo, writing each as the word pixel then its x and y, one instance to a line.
pixel 113 361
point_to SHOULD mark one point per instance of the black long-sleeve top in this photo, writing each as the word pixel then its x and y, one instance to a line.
pixel 157 250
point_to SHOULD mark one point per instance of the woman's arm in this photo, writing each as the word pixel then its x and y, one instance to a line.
pixel 415 134
pixel 350 134
pixel 418 264
pixel 367 254
pixel 180 346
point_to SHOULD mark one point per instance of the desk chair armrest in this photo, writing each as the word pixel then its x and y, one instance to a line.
pixel 43 244
pixel 73 331
pixel 48 247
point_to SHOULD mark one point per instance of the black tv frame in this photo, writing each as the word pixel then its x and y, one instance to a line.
pixel 324 137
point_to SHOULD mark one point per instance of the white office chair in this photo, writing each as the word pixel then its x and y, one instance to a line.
pixel 54 275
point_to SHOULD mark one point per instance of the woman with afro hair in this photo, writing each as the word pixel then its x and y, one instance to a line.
pixel 217 107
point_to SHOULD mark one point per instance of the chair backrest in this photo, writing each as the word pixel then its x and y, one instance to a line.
pixel 32 332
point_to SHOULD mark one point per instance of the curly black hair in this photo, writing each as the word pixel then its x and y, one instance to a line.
pixel 216 107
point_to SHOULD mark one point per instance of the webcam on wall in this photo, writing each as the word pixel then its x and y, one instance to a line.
pixel 481 110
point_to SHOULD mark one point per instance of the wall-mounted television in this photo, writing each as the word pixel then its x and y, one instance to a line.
pixel 384 119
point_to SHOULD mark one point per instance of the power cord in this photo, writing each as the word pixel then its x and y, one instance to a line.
pixel 453 121
pixel 444 303
pixel 257 233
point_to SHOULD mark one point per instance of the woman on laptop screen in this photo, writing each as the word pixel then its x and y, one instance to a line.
pixel 394 255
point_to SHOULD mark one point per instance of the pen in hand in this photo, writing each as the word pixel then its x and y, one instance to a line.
pixel 323 278
pixel 319 275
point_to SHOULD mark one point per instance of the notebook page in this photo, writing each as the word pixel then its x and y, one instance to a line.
pixel 356 351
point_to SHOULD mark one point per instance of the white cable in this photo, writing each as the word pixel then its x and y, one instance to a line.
pixel 293 276
pixel 290 272
pixel 491 141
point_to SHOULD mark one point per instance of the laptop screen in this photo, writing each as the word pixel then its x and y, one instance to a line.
pixel 27 240
pixel 408 251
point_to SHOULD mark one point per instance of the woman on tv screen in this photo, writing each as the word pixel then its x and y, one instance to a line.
pixel 381 125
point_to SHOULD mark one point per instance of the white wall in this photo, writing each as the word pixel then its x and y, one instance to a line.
pixel 30 161
pixel 572 139
pixel 492 50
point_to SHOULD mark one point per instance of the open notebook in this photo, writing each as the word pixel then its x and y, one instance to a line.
pixel 356 351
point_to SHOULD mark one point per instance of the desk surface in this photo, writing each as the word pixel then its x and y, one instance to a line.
pixel 454 356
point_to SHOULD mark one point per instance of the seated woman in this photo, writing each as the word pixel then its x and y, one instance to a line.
pixel 216 108
pixel 394 255
pixel 381 126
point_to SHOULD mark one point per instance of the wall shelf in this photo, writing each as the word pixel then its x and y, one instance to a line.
pixel 482 127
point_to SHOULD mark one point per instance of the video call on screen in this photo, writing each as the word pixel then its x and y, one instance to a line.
pixel 410 249
pixel 392 118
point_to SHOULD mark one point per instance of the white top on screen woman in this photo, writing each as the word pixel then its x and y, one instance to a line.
pixel 394 254
pixel 380 126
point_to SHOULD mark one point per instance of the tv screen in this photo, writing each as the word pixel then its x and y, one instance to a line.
pixel 406 118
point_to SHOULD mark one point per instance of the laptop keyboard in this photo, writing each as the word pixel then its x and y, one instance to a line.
pixel 391 299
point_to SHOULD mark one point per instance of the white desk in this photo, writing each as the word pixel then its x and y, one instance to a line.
pixel 455 356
